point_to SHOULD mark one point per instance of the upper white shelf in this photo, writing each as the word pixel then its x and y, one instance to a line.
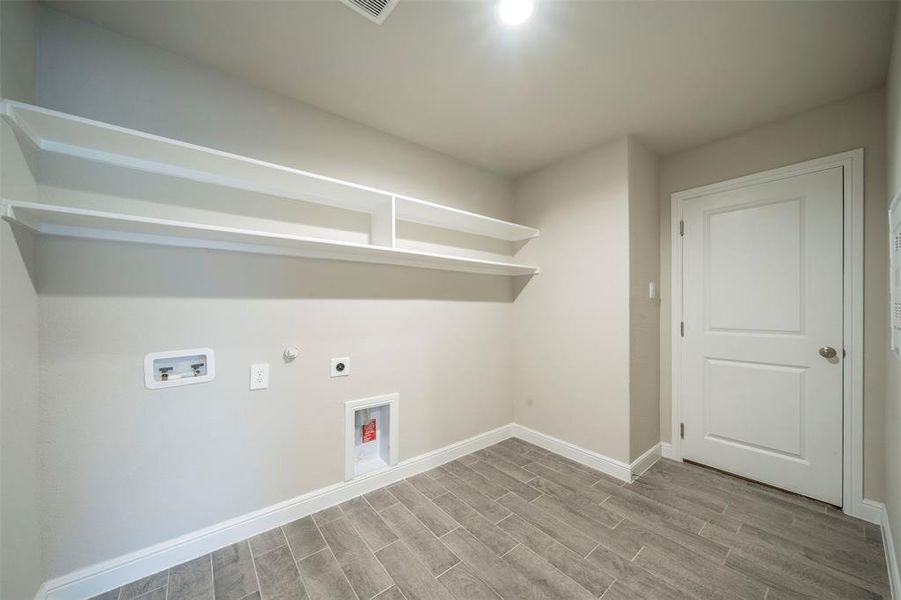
pixel 60 133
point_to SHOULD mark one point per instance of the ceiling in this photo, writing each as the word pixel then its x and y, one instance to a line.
pixel 449 76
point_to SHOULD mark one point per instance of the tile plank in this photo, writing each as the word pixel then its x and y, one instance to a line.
pixel 419 539
pixel 494 571
pixel 267 541
pixel 363 571
pixel 303 537
pixel 144 585
pixel 463 472
pixel 427 486
pixel 379 499
pixel 410 575
pixel 432 517
pixel 505 481
pixel 374 531
pixel 279 577
pixel 464 585
pixel 567 561
pixel 192 580
pixel 564 533
pixel 480 527
pixel 323 578
pixel 234 576
pixel 487 507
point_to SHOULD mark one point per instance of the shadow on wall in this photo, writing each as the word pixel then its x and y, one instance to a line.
pixel 80 267
pixel 25 241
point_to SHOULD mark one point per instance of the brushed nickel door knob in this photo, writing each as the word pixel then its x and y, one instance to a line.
pixel 828 352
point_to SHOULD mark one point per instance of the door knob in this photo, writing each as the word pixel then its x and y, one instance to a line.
pixel 828 352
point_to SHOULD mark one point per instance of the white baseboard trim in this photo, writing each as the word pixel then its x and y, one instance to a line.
pixel 98 578
pixel 646 460
pixel 589 458
pixel 41 594
pixel 888 543
pixel 869 510
pixel 667 451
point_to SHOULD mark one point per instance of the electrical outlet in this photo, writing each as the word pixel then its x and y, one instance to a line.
pixel 259 376
pixel 341 367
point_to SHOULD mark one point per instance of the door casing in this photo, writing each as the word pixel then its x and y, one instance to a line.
pixel 852 397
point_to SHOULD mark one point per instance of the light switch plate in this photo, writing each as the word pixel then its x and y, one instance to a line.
pixel 341 367
pixel 259 376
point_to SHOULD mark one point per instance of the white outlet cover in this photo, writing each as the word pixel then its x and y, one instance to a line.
pixel 259 376
pixel 341 367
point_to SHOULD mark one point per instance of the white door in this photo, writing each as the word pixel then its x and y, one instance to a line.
pixel 762 305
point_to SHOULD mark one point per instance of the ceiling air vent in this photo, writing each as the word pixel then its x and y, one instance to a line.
pixel 374 10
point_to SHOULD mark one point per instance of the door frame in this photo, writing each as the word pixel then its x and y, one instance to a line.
pixel 852 301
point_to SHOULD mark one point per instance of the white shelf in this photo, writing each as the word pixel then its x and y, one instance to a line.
pixel 77 222
pixel 436 215
pixel 60 133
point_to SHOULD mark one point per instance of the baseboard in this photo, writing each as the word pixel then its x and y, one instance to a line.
pixel 589 458
pixel 646 460
pixel 107 575
pixel 868 510
pixel 888 543
pixel 667 451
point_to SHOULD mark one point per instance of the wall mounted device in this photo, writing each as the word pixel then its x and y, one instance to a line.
pixel 259 376
pixel 291 352
pixel 340 367
pixel 178 367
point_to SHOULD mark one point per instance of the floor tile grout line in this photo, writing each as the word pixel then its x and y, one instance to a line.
pixel 636 554
pixel 438 576
pixel 300 576
pixel 601 597
pixel 451 531
pixel 471 507
pixel 168 579
pixel 596 546
pixel 340 568
pixel 253 562
pixel 424 524
pixel 365 543
pixel 518 544
pixel 212 576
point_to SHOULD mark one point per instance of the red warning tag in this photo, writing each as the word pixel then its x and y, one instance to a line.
pixel 368 431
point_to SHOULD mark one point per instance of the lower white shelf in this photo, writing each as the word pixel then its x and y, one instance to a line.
pixel 51 219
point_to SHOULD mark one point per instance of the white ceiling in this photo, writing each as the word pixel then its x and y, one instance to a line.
pixel 447 75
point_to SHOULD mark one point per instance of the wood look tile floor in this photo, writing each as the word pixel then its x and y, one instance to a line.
pixel 516 522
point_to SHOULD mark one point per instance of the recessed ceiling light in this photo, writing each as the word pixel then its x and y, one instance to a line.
pixel 515 12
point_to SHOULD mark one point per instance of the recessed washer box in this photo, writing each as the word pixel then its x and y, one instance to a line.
pixel 173 368
pixel 371 433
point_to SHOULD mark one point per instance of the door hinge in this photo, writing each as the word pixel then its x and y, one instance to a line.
pixel 682 430
pixel 681 328
pixel 681 228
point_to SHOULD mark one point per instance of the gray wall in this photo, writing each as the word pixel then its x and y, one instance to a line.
pixel 644 313
pixel 893 372
pixel 571 323
pixel 585 331
pixel 854 123
pixel 124 467
pixel 21 570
